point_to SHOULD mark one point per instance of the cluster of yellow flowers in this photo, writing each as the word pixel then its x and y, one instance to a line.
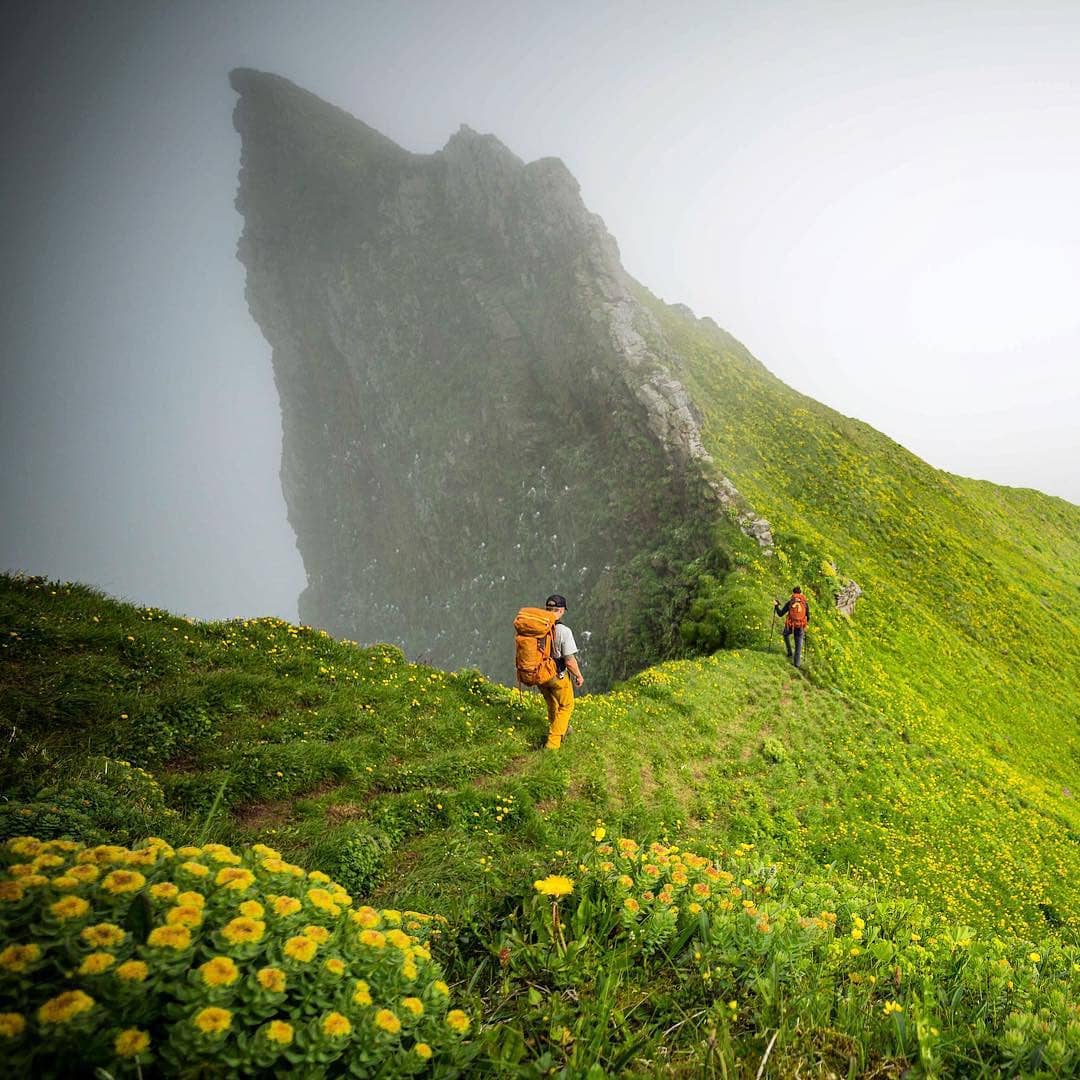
pixel 202 953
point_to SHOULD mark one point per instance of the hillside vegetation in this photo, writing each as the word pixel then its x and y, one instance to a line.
pixel 888 878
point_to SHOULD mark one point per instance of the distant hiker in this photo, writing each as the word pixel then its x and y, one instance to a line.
pixel 797 611
pixel 544 651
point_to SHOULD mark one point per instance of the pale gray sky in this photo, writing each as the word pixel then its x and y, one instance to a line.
pixel 879 199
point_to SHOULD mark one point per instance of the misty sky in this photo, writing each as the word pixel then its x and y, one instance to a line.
pixel 879 199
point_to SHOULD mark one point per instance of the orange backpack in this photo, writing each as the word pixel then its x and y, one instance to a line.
pixel 534 643
pixel 796 614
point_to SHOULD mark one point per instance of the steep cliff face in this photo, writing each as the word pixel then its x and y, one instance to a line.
pixel 477 409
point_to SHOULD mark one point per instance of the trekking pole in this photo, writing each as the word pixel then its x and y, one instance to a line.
pixel 772 628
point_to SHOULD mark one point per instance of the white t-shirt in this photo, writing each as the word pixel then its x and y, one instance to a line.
pixel 564 644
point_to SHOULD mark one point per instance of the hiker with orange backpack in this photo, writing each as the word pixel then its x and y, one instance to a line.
pixel 797 611
pixel 544 651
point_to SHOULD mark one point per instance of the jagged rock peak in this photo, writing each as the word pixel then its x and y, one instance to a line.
pixel 288 110
pixel 477 410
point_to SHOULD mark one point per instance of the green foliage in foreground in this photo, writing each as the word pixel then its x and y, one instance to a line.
pixel 199 961
pixel 418 789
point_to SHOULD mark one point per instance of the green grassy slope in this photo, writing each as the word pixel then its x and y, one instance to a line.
pixel 967 634
pixel 401 777
pixel 417 788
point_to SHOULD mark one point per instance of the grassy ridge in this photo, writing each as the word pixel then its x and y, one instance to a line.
pixel 427 785
pixel 887 891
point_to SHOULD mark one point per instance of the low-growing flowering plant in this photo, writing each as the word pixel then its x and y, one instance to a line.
pixel 742 948
pixel 204 960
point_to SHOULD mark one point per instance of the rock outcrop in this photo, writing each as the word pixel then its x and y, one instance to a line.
pixel 476 409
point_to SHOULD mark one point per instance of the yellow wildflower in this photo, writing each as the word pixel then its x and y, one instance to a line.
pixel 335 966
pixel 131 1042
pixel 280 1032
pixel 336 1026
pixel 220 971
pixel 440 987
pixel 191 898
pixel 242 930
pixel 65 882
pixel 300 948
pixel 11 891
pixel 554 885
pixel 65 1007
pixel 316 933
pixel 272 979
pixel 164 890
pixel 374 939
pixel 96 963
pixel 362 993
pixel 286 905
pixel 71 907
pixel 457 1021
pixel 12 1025
pixel 195 869
pixel 189 852
pixel 122 881
pixel 142 857
pixel 398 938
pixel 413 1005
pixel 236 878
pixel 422 1051
pixel 366 917
pixel 319 876
pixel 252 909
pixel 27 846
pixel 387 1021
pixel 226 857
pixel 322 900
pixel 132 971
pixel 184 916
pixel 169 937
pixel 213 1020
pixel 17 958
pixel 599 833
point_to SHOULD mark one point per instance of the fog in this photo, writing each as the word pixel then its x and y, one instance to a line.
pixel 878 199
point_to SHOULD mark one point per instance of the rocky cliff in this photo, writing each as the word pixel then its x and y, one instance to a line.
pixel 477 409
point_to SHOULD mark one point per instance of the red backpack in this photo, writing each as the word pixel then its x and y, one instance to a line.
pixel 534 644
pixel 796 614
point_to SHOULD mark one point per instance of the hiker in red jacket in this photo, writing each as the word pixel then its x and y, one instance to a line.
pixel 797 611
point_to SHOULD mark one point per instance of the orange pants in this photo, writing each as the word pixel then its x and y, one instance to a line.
pixel 559 695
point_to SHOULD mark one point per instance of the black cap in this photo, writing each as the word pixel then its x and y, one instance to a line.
pixel 796 589
pixel 555 600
